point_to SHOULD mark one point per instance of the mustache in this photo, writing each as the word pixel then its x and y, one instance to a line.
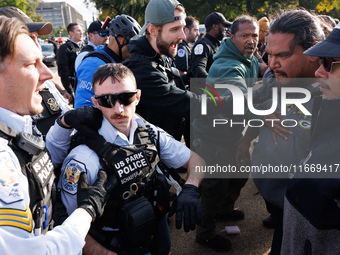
pixel 117 115
pixel 177 42
pixel 281 72
pixel 249 45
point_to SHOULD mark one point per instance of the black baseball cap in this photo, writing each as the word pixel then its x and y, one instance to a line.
pixel 216 18
pixel 96 26
pixel 329 48
pixel 43 28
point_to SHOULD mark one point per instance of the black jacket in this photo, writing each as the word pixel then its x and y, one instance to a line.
pixel 317 198
pixel 202 56
pixel 165 101
pixel 67 55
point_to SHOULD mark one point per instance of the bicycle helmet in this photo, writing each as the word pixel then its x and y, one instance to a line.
pixel 124 25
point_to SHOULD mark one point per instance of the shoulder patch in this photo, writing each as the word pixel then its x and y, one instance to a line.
pixel 9 180
pixel 181 53
pixel 198 49
pixel 71 176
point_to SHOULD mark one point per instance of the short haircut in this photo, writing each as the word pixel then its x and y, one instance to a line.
pixel 71 26
pixel 113 70
pixel 305 27
pixel 240 20
pixel 10 28
pixel 189 20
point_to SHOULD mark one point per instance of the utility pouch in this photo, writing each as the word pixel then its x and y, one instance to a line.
pixel 138 221
pixel 160 196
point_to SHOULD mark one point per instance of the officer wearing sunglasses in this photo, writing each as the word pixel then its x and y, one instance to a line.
pixel 319 220
pixel 133 161
pixel 96 36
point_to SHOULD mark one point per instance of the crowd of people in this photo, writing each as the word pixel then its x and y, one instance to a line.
pixel 87 165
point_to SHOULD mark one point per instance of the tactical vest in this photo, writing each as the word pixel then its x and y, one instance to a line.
pixel 50 113
pixel 37 166
pixel 140 196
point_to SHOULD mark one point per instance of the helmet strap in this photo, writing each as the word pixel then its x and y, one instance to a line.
pixel 120 46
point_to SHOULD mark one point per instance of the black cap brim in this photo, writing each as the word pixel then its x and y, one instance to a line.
pixel 329 48
pixel 227 23
pixel 43 28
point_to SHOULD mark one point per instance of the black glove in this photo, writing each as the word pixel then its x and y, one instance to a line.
pixel 93 198
pixel 188 203
pixel 86 116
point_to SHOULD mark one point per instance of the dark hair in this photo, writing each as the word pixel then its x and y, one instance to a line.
pixel 305 27
pixel 10 28
pixel 113 70
pixel 71 26
pixel 189 20
pixel 240 20
pixel 329 20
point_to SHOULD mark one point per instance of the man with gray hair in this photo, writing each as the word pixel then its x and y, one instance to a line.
pixel 290 34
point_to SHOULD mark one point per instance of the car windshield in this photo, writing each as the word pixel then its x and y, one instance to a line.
pixel 46 47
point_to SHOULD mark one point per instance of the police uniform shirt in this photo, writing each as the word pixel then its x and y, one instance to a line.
pixel 182 59
pixel 16 224
pixel 82 158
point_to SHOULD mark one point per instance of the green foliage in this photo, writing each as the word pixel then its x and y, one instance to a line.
pixel 27 6
pixel 21 4
pixel 111 8
pixel 197 8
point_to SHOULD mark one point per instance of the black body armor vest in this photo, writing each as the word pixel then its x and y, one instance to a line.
pixel 134 206
pixel 37 166
pixel 50 113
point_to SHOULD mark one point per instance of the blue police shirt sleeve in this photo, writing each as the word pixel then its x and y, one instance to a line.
pixel 172 152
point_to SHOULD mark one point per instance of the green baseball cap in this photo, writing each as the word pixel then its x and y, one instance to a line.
pixel 160 12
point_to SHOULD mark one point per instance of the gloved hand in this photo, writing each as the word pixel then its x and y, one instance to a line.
pixel 188 204
pixel 93 198
pixel 83 118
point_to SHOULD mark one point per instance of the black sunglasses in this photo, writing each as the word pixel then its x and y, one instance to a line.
pixel 102 34
pixel 109 100
pixel 327 63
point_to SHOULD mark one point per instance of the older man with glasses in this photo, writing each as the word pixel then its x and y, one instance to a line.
pixel 290 34
pixel 312 211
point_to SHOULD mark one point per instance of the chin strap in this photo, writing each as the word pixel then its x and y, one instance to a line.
pixel 120 46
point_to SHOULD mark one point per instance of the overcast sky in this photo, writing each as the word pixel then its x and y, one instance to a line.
pixel 81 8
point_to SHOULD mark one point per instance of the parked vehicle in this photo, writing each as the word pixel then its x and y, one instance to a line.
pixel 49 56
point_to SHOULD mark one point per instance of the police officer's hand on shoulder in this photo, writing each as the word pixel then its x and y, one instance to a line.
pixel 83 118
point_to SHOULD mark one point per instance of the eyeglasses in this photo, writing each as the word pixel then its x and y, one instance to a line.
pixel 109 100
pixel 327 63
pixel 102 34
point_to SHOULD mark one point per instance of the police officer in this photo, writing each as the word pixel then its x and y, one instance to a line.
pixel 67 54
pixel 96 35
pixel 204 49
pixel 54 103
pixel 121 30
pixel 132 156
pixel 26 179
pixel 183 57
